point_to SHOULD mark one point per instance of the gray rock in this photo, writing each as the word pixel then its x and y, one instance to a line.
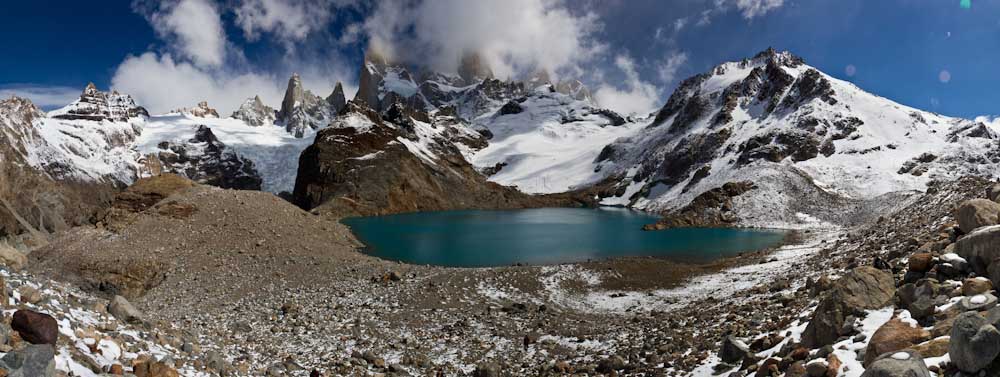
pixel 863 288
pixel 979 249
pixel 993 192
pixel 37 360
pixel 978 302
pixel 977 213
pixel 898 364
pixel 923 308
pixel 974 342
pixel 733 350
pixel 124 311
pixel 487 370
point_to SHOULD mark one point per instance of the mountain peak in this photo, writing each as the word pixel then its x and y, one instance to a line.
pixel 96 105
pixel 337 99
pixel 473 68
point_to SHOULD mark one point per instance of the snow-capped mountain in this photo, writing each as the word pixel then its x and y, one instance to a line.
pixel 774 120
pixel 804 139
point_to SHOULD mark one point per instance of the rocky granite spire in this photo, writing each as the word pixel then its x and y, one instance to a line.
pixel 337 99
pixel 301 110
pixel 294 96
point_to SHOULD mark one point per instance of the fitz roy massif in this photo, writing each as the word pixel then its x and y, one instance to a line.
pixel 766 219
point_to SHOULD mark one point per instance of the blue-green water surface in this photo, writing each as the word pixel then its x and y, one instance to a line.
pixel 543 236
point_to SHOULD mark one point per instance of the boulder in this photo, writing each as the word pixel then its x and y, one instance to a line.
pixel 975 286
pixel 733 350
pixel 32 361
pixel 936 347
pixel 921 262
pixel 34 327
pixel 974 342
pixel 154 369
pixel 993 192
pixel 124 311
pixel 898 364
pixel 893 336
pixel 860 289
pixel 817 368
pixel 487 370
pixel 13 259
pixel 978 302
pixel 977 213
pixel 979 249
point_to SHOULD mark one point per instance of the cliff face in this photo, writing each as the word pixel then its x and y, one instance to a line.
pixel 371 164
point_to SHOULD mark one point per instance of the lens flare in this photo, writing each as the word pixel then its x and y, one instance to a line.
pixel 944 76
pixel 850 70
pixel 966 4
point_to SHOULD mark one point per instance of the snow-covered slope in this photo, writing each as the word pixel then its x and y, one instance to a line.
pixel 548 142
pixel 773 115
pixel 274 151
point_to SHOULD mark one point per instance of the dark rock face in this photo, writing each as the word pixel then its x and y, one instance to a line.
pixel 733 350
pixel 800 146
pixel 709 209
pixel 301 110
pixel 34 327
pixel 33 201
pixel 205 159
pixel 337 100
pixel 255 113
pixel 861 289
pixel 348 171
pixel 97 105
pixel 511 107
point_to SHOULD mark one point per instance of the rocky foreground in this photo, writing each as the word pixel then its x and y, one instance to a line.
pixel 225 282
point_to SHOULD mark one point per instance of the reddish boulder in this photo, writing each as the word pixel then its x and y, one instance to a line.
pixel 35 328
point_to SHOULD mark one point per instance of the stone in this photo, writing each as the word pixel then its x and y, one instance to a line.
pixel 974 342
pixel 816 368
pixel 124 311
pixel 898 364
pixel 893 336
pixel 860 289
pixel 154 369
pixel 993 192
pixel 610 364
pixel 977 213
pixel 975 286
pixel 978 302
pixel 487 370
pixel 29 294
pixel 733 350
pixel 979 249
pixel 13 259
pixel 796 369
pixel 34 327
pixel 936 347
pixel 32 361
pixel 923 308
pixel 921 262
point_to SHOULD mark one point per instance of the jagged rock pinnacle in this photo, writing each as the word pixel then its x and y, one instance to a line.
pixel 337 100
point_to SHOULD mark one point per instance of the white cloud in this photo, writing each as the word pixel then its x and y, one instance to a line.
pixel 46 97
pixel 193 28
pixel 755 8
pixel 679 24
pixel 161 83
pixel 288 20
pixel 636 97
pixel 668 69
pixel 514 36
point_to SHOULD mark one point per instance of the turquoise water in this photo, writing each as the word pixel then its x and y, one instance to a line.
pixel 543 236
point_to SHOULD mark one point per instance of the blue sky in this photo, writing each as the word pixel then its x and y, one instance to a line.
pixel 934 55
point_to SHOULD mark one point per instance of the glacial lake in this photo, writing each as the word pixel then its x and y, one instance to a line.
pixel 478 238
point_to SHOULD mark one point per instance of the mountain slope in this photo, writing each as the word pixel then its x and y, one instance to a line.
pixel 774 120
